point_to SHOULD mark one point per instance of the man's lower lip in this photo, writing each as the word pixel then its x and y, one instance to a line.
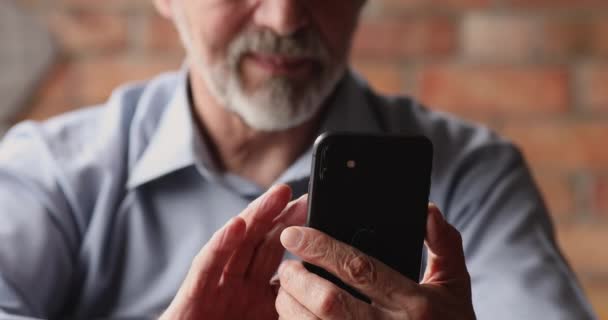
pixel 278 66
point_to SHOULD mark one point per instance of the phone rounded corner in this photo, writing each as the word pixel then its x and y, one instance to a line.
pixel 324 138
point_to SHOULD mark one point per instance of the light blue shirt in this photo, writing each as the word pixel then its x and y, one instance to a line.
pixel 103 209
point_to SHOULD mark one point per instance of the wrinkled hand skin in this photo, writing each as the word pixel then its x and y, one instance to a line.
pixel 443 293
pixel 230 277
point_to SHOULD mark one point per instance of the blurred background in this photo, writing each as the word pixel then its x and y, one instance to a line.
pixel 534 70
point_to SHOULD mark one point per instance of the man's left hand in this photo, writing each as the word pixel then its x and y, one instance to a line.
pixel 444 292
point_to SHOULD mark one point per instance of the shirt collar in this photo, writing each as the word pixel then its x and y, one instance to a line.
pixel 174 144
pixel 177 144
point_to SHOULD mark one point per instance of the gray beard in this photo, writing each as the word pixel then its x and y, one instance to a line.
pixel 279 103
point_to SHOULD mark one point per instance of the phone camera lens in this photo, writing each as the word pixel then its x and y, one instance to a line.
pixel 351 164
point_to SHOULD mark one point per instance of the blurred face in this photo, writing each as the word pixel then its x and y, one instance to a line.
pixel 272 62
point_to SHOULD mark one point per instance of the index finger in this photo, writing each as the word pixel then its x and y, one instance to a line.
pixel 259 217
pixel 366 274
pixel 268 206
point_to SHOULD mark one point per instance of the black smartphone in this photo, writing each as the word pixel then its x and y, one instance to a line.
pixel 371 192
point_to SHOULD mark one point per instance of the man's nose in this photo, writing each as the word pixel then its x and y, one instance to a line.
pixel 284 17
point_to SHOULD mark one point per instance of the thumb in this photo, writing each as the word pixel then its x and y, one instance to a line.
pixel 446 262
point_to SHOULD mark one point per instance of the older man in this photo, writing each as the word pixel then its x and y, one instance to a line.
pixel 131 209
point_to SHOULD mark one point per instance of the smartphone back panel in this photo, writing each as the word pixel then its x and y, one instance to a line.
pixel 372 192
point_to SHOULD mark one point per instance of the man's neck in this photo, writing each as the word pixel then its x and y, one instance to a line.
pixel 259 156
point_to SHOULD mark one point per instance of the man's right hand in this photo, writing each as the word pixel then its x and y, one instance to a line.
pixel 230 277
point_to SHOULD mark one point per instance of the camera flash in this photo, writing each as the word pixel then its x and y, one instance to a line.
pixel 351 164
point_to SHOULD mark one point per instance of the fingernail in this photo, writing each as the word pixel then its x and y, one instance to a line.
pixel 232 222
pixel 301 200
pixel 273 189
pixel 269 193
pixel 291 237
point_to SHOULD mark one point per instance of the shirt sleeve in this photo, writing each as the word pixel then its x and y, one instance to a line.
pixel 38 238
pixel 515 264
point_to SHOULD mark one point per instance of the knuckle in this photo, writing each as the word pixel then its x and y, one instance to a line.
pixel 316 247
pixel 422 308
pixel 215 246
pixel 331 302
pixel 453 233
pixel 457 236
pixel 360 269
pixel 458 242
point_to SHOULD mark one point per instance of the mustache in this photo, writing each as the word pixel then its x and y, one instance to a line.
pixel 305 43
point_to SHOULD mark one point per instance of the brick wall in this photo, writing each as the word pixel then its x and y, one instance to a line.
pixel 535 70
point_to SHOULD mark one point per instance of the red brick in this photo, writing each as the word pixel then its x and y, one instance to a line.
pixel 81 31
pixel 405 38
pixel 571 38
pixel 384 77
pixel 564 39
pixel 562 145
pixel 98 77
pixel 594 86
pixel 499 90
pixel 161 36
pixel 518 37
pixel 558 192
pixel 583 245
pixel 599 41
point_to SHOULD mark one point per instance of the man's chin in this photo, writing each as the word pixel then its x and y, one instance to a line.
pixel 273 124
pixel 273 112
